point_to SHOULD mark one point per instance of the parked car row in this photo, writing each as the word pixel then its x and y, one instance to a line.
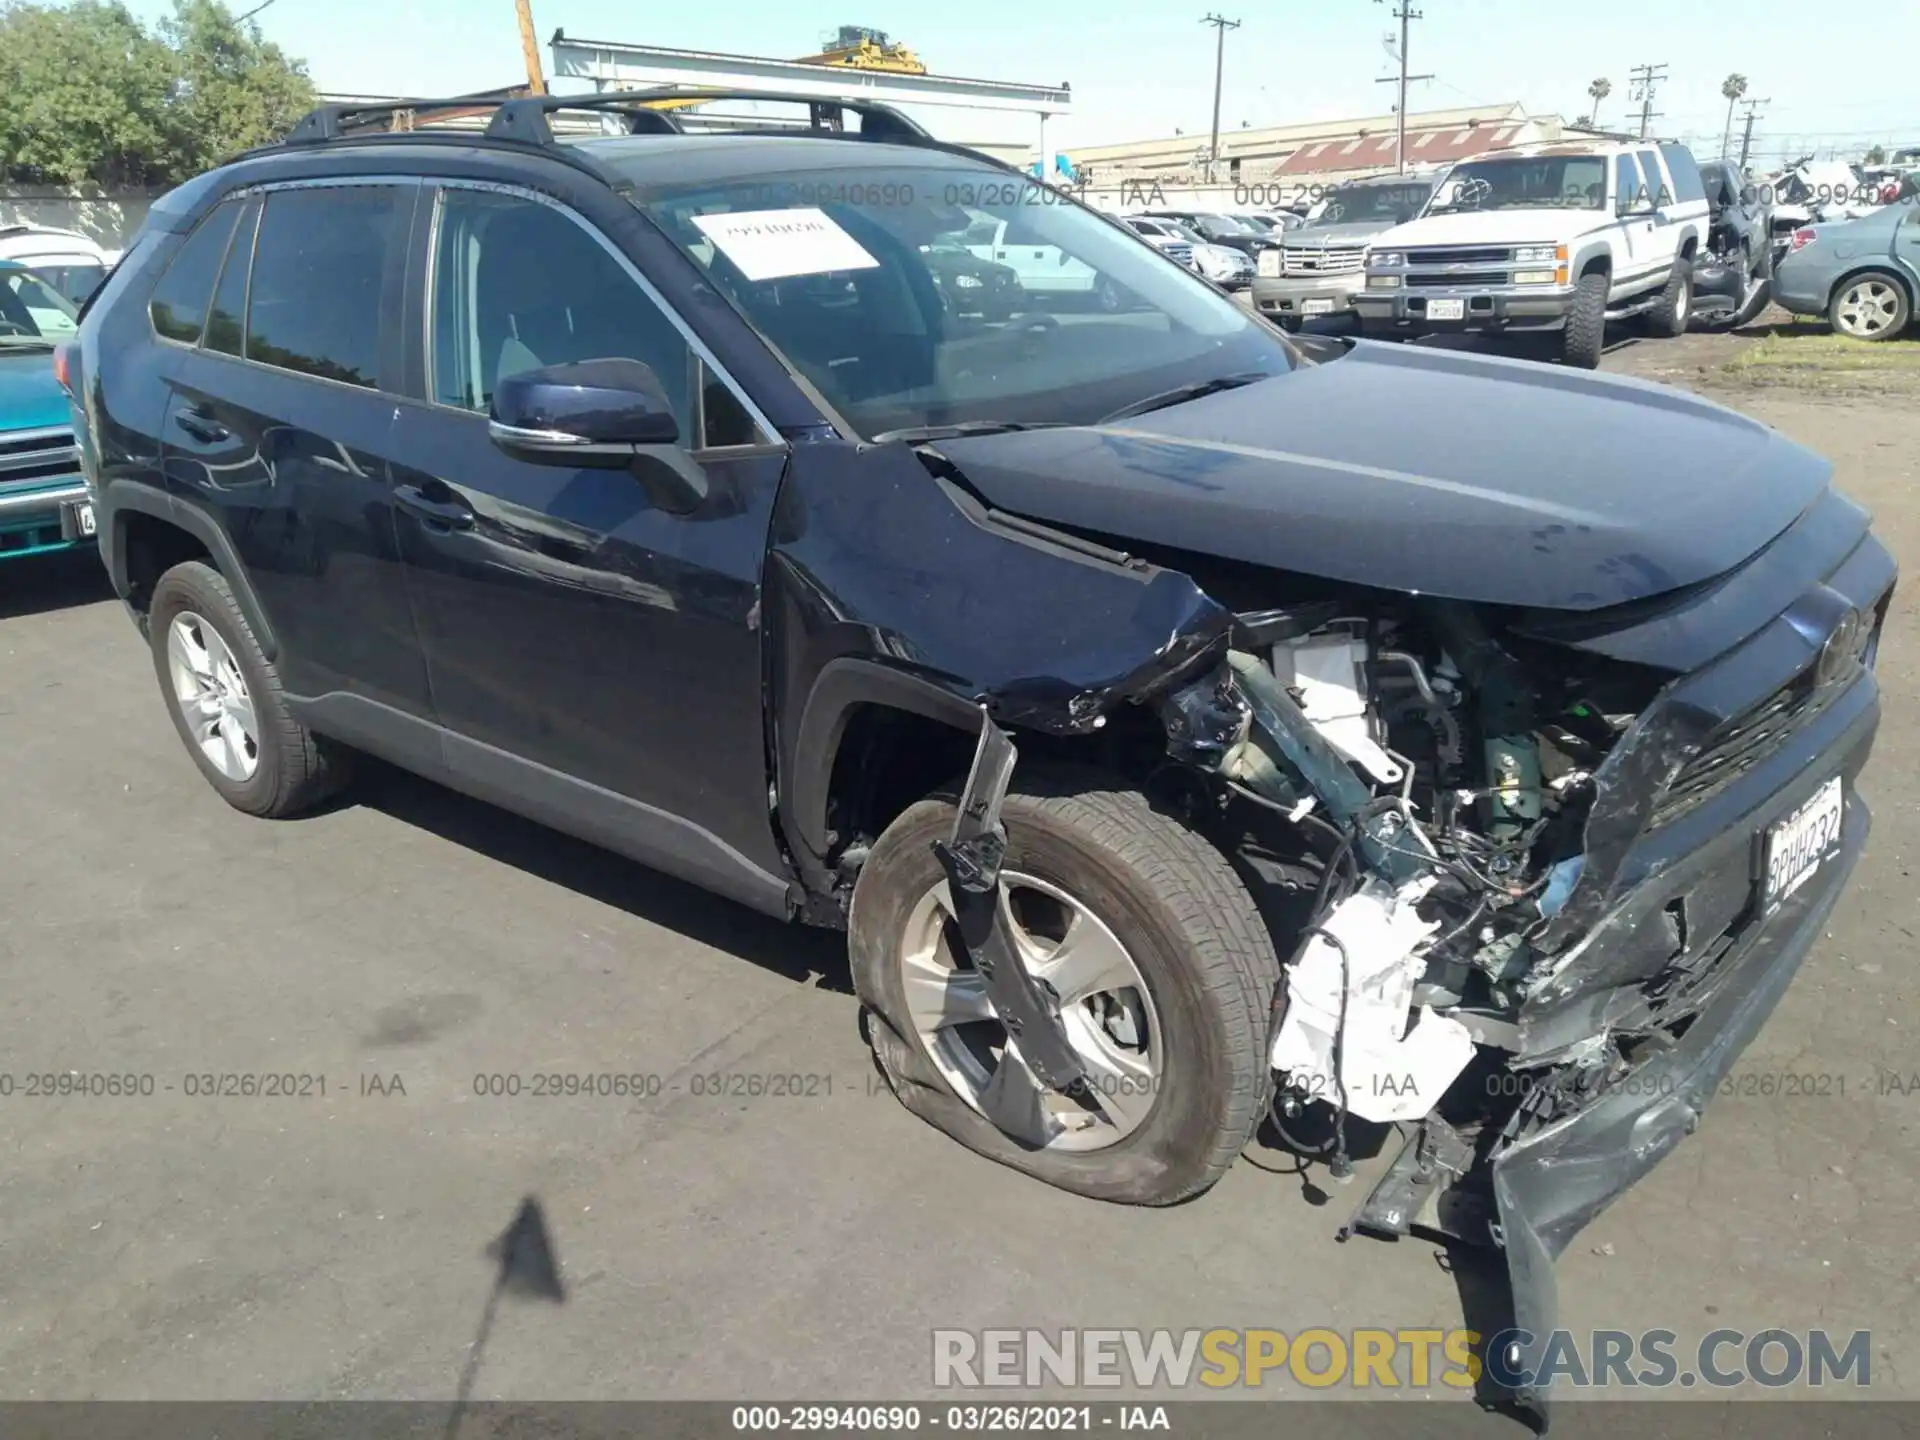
pixel 1567 239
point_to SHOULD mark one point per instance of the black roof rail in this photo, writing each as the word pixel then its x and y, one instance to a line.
pixel 526 119
pixel 335 122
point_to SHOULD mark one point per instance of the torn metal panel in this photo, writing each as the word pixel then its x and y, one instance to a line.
pixel 907 579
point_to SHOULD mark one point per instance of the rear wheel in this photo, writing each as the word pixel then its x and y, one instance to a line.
pixel 1586 333
pixel 225 699
pixel 1668 317
pixel 1871 307
pixel 1164 971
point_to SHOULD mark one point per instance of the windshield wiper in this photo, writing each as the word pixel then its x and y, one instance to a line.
pixel 1180 394
pixel 915 433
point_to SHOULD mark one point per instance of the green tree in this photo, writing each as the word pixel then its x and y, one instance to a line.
pixel 85 96
pixel 88 96
pixel 1876 156
pixel 235 90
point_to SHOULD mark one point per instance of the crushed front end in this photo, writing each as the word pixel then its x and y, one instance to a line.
pixel 1551 873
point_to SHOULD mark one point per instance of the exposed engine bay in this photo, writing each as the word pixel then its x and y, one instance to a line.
pixel 1444 784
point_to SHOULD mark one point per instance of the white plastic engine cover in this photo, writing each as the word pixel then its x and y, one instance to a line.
pixel 1327 672
pixel 1390 1072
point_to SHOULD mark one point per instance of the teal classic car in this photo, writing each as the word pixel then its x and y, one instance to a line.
pixel 43 498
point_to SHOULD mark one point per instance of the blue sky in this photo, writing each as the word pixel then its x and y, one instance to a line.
pixel 1142 69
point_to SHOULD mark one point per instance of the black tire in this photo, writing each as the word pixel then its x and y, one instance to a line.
pixel 1196 938
pixel 1586 332
pixel 1668 317
pixel 295 768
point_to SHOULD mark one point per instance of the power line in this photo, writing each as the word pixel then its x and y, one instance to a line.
pixel 1220 25
pixel 1406 15
pixel 1645 79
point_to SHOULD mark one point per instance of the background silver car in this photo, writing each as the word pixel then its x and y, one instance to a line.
pixel 1863 275
pixel 1320 265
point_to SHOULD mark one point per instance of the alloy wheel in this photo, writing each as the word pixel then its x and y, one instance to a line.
pixel 1105 1009
pixel 213 697
pixel 1867 308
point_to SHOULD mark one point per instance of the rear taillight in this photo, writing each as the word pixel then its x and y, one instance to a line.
pixel 63 366
pixel 1800 239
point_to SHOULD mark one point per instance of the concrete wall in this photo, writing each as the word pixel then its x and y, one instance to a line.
pixel 109 220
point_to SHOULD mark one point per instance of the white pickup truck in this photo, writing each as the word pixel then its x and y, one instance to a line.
pixel 1545 237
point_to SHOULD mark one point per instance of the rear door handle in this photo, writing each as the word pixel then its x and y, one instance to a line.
pixel 452 514
pixel 205 431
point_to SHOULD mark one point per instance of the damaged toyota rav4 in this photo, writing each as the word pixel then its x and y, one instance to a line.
pixel 1186 723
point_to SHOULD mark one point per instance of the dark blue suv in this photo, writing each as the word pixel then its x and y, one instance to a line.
pixel 1081 658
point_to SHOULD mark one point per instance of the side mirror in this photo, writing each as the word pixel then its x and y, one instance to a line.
pixel 587 413
pixel 598 414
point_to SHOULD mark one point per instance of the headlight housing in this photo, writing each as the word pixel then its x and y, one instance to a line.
pixel 1386 260
pixel 1539 254
pixel 967 282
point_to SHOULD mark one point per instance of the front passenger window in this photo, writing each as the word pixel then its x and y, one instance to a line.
pixel 518 285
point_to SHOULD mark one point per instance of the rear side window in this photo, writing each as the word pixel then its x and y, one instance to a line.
pixel 1626 184
pixel 179 304
pixel 319 259
pixel 1687 181
pixel 1656 182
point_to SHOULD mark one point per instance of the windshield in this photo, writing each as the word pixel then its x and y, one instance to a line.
pixel 1360 204
pixel 832 266
pixel 1215 227
pixel 1524 182
pixel 33 314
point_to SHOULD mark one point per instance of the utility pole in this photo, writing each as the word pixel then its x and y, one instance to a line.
pixel 1746 138
pixel 536 80
pixel 1645 79
pixel 1406 15
pixel 1220 27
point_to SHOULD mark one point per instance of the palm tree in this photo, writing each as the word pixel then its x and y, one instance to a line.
pixel 1599 90
pixel 1733 87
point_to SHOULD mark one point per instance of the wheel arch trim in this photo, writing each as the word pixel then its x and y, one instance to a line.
pixel 124 496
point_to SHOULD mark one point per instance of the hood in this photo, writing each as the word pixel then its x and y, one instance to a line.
pixel 1321 236
pixel 1470 477
pixel 30 398
pixel 1495 227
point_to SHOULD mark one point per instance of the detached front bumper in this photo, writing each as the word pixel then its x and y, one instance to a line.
pixel 1549 1185
pixel 1408 309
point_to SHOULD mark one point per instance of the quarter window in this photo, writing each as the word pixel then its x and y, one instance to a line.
pixel 179 305
pixel 226 323
pixel 314 302
pixel 518 285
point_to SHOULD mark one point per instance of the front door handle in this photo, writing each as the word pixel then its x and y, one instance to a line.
pixel 207 432
pixel 450 514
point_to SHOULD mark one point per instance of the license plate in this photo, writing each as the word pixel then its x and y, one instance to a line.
pixel 1316 307
pixel 1446 309
pixel 77 519
pixel 1797 845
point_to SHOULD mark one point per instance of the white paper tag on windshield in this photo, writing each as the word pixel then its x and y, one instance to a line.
pixel 769 244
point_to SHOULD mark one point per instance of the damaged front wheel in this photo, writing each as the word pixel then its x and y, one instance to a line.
pixel 1148 944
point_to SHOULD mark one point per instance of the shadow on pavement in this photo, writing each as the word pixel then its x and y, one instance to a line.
pixel 801 953
pixel 39 583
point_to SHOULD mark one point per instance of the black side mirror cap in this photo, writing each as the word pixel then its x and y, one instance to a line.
pixel 585 413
